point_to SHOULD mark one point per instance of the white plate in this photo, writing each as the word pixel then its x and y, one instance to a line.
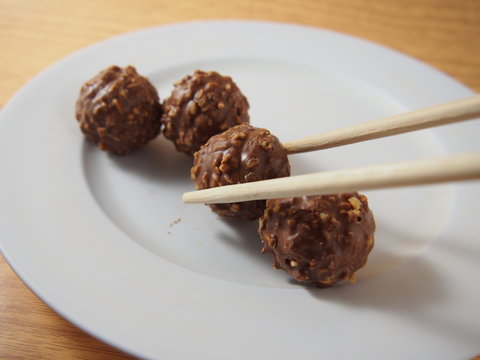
pixel 108 244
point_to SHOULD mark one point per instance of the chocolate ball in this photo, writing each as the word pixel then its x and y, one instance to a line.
pixel 239 155
pixel 202 105
pixel 119 110
pixel 318 239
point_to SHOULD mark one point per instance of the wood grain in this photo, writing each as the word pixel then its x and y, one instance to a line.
pixel 29 329
pixel 34 34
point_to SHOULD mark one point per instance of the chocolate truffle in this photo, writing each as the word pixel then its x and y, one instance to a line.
pixel 318 239
pixel 239 155
pixel 202 105
pixel 119 110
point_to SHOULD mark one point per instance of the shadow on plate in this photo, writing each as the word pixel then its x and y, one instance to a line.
pixel 425 282
pixel 411 292
pixel 246 240
pixel 159 161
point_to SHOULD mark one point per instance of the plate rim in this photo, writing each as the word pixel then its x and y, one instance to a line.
pixel 119 38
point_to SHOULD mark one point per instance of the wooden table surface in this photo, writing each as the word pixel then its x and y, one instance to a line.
pixel 36 33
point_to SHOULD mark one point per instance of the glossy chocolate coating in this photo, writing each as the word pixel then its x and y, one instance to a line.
pixel 119 110
pixel 202 105
pixel 239 155
pixel 318 239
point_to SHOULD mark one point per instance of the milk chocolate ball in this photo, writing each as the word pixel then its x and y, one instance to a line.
pixel 119 110
pixel 200 106
pixel 241 154
pixel 318 239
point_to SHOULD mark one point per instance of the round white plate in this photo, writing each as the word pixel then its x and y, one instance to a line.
pixel 107 242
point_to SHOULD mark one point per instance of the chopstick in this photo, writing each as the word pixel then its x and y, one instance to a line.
pixel 420 172
pixel 455 168
pixel 447 113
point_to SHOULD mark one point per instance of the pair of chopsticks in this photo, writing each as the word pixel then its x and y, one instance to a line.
pixel 454 168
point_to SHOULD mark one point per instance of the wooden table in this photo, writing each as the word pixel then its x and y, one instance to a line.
pixel 36 33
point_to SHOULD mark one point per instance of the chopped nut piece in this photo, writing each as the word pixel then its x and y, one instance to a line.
pixel 252 162
pixel 356 203
pixel 192 107
pixel 324 216
pixel 266 145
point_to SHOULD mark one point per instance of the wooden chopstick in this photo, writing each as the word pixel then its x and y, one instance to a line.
pixel 420 172
pixel 451 112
